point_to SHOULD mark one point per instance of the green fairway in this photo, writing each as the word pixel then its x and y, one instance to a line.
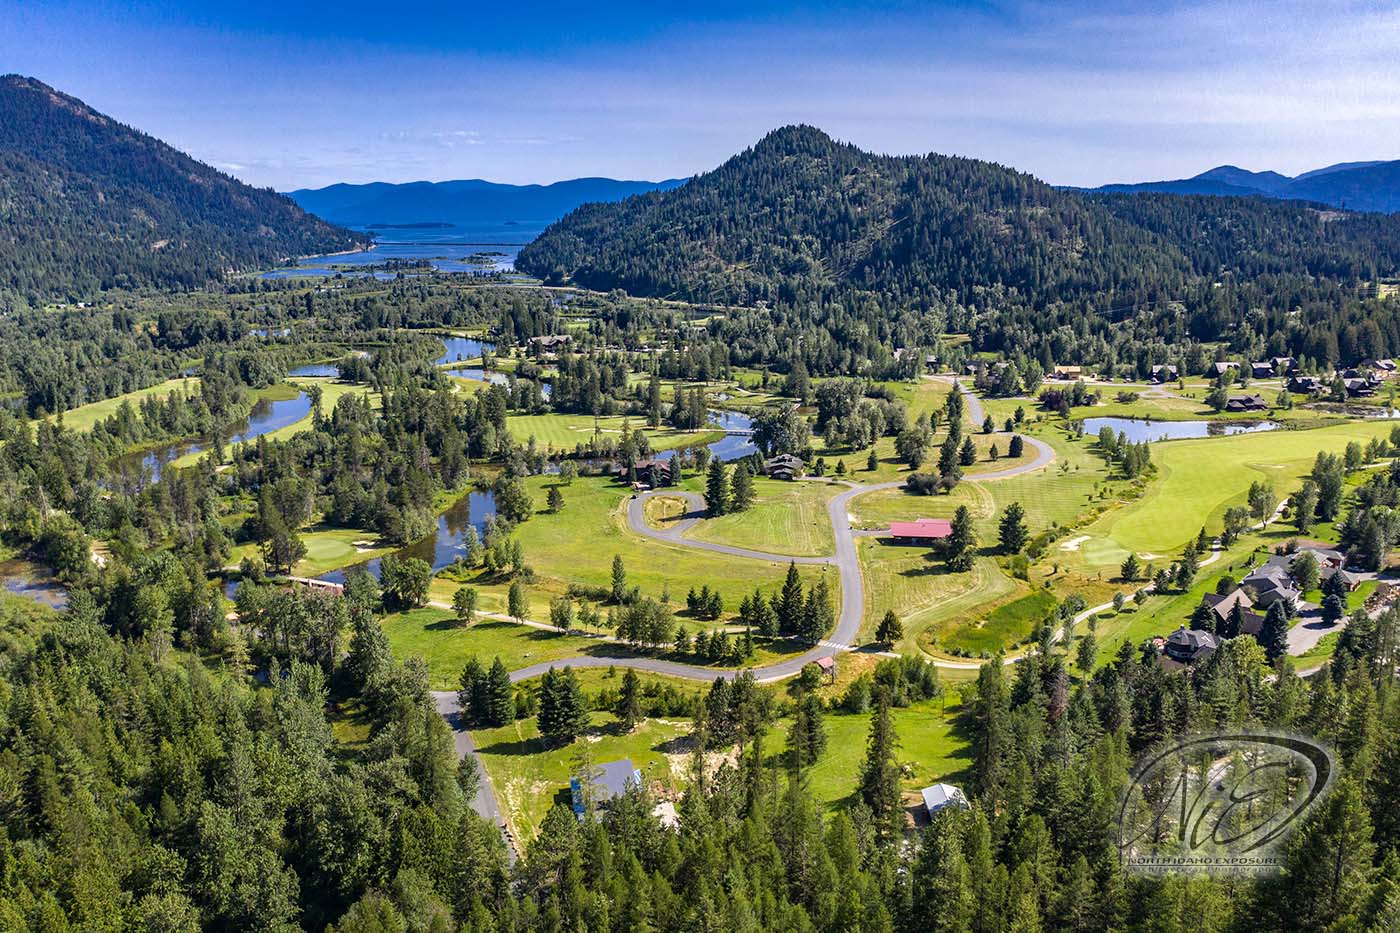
pixel 1009 624
pixel 330 548
pixel 786 518
pixel 1198 479
pixel 565 432
pixel 84 417
pixel 530 775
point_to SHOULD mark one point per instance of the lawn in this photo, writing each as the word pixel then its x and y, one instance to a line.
pixel 565 432
pixel 577 545
pixel 786 518
pixel 530 776
pixel 433 635
pixel 1009 624
pixel 933 742
pixel 84 417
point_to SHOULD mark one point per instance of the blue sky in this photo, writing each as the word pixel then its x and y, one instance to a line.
pixel 297 94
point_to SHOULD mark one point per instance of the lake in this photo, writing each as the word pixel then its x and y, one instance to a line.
pixel 1138 431
pixel 458 247
pixel 447 543
pixel 265 418
pixel 460 349
pixel 732 446
pixel 310 370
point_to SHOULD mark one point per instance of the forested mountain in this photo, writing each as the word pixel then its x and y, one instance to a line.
pixel 800 218
pixel 467 201
pixel 1357 186
pixel 87 203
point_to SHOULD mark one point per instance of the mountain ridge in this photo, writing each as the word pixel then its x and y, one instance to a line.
pixel 98 204
pixel 1372 186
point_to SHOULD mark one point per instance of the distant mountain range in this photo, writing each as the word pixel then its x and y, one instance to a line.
pixel 470 201
pixel 1356 186
pixel 88 203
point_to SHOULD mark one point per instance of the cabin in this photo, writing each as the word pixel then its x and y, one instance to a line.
pixel 1261 369
pixel 1284 365
pixel 607 781
pixel 1304 385
pixel 651 473
pixel 1069 373
pixel 941 796
pixel 1221 368
pixel 924 531
pixel 1358 387
pixel 1238 403
pixel 1165 373
pixel 550 343
pixel 783 466
pixel 1186 646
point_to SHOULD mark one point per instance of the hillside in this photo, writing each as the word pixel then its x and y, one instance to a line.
pixel 89 204
pixel 800 216
pixel 1357 186
pixel 468 201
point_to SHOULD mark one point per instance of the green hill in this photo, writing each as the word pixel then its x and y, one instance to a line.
pixel 88 203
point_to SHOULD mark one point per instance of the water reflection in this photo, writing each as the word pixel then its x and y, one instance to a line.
pixel 1138 431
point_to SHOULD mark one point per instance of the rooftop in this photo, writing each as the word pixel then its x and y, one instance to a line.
pixel 922 528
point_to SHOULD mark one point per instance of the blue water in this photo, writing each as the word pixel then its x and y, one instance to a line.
pixel 461 349
pixel 316 369
pixel 447 543
pixel 732 446
pixel 446 249
pixel 1139 431
pixel 265 418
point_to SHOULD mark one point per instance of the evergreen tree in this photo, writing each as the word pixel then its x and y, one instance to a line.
pixel 1326 881
pixel 629 700
pixel 959 548
pixel 563 713
pixel 554 500
pixel 1273 635
pixel 619 580
pixel 807 737
pixel 879 775
pixel 890 629
pixel 967 454
pixel 717 488
pixel 500 695
pixel 789 604
pixel 516 603
pixel 741 493
pixel 1130 570
pixel 817 618
pixel 464 604
pixel 1016 447
pixel 1012 529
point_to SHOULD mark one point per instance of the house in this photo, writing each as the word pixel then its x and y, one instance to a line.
pixel 1165 373
pixel 1270 584
pixel 1377 366
pixel 1237 403
pixel 608 780
pixel 1283 365
pixel 1357 387
pixel 549 343
pixel 783 466
pixel 1304 385
pixel 649 472
pixel 1071 373
pixel 1220 369
pixel 941 796
pixel 1186 646
pixel 1224 604
pixel 924 531
pixel 1261 369
pixel 1350 579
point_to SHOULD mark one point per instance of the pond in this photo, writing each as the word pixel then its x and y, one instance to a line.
pixel 265 418
pixel 736 445
pixel 447 543
pixel 1138 431
pixel 32 581
pixel 310 370
pixel 461 349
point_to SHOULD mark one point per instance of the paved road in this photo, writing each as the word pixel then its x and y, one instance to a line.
pixel 976 414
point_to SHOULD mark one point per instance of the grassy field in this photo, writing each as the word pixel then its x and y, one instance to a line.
pixel 84 417
pixel 530 776
pixel 577 545
pixel 564 432
pixel 1011 623
pixel 786 518
pixel 433 635
pixel 1198 479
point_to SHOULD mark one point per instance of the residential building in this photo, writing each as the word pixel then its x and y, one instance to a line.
pixel 941 796
pixel 924 531
pixel 783 466
pixel 608 780
pixel 1238 403
pixel 1186 646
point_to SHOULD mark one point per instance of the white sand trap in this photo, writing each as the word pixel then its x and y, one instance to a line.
pixel 1073 543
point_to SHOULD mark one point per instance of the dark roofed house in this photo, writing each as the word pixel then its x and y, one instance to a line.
pixel 1304 385
pixel 783 466
pixel 1283 365
pixel 1358 387
pixel 1224 604
pixel 550 342
pixel 1164 373
pixel 1270 584
pixel 651 472
pixel 1223 367
pixel 608 780
pixel 1186 646
pixel 1261 369
pixel 925 531
pixel 1245 403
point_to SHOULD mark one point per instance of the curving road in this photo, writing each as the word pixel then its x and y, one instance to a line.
pixel 976 414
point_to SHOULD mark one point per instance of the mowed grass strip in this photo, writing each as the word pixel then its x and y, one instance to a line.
pixel 785 518
pixel 565 431
pixel 85 417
